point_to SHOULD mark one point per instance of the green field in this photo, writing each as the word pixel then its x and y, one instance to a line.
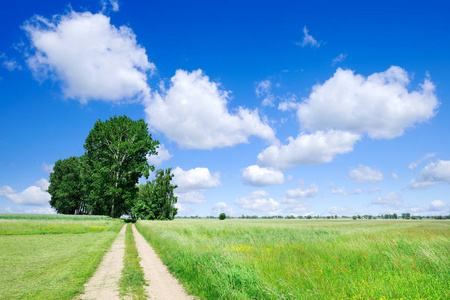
pixel 306 259
pixel 51 257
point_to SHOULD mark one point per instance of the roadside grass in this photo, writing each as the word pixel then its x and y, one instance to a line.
pixel 306 259
pixel 132 281
pixel 51 258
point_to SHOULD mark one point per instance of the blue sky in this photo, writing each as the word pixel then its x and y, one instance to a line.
pixel 262 108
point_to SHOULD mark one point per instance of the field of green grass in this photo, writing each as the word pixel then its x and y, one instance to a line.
pixel 51 257
pixel 306 259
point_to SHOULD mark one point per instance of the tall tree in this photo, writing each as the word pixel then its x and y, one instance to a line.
pixel 66 187
pixel 114 161
pixel 156 198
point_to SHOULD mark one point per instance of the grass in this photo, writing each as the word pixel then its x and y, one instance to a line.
pixel 306 259
pixel 45 257
pixel 132 281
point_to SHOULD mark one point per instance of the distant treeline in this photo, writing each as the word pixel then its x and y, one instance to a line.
pixel 406 216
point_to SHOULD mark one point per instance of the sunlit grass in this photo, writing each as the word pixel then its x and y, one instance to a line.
pixel 51 258
pixel 306 259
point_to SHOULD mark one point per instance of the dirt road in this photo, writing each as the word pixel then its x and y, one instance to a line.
pixel 105 282
pixel 162 285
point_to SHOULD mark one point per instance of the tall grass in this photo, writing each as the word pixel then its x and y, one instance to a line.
pixel 306 259
pixel 51 258
pixel 53 217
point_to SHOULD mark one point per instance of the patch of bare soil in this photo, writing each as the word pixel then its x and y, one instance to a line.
pixel 105 282
pixel 162 285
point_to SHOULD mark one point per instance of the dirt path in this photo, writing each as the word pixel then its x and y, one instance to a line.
pixel 105 282
pixel 162 285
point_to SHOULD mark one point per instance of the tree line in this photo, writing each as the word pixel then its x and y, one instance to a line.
pixel 104 180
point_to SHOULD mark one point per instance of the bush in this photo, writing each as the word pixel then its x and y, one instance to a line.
pixel 222 216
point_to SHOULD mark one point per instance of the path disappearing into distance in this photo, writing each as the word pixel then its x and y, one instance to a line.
pixel 104 284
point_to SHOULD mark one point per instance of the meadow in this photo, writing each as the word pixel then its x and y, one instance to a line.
pixel 51 257
pixel 306 259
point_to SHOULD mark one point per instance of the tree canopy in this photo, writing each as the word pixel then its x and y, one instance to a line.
pixel 156 199
pixel 115 159
pixel 66 188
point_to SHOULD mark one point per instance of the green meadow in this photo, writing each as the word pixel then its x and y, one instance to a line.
pixel 306 259
pixel 51 257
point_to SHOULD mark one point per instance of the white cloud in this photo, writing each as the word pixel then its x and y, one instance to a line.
pixel 340 191
pixel 297 209
pixel 341 211
pixel 310 191
pixel 433 173
pixel 308 149
pixel 379 105
pixel 258 201
pixel 184 211
pixel 93 59
pixel 47 168
pixel 163 155
pixel 437 205
pixel 374 189
pixel 193 113
pixel 10 64
pixel 23 210
pixel 222 207
pixel 287 105
pixel 114 5
pixel 339 58
pixel 33 195
pixel 257 176
pixel 195 179
pixel 191 197
pixel 263 90
pixel 394 176
pixel 414 164
pixel 364 174
pixel 308 40
pixel 392 199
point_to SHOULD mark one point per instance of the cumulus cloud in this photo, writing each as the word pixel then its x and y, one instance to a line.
pixel 308 149
pixel 195 179
pixel 222 207
pixel 193 113
pixel 34 195
pixel 374 189
pixel 92 59
pixel 163 155
pixel 257 176
pixel 414 164
pixel 338 58
pixel 258 201
pixel 311 191
pixel 379 105
pixel 194 197
pixel 264 90
pixel 308 40
pixel 340 191
pixel 365 174
pixel 433 173
pixel 392 200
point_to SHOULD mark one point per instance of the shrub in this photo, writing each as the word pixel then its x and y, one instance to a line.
pixel 222 216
